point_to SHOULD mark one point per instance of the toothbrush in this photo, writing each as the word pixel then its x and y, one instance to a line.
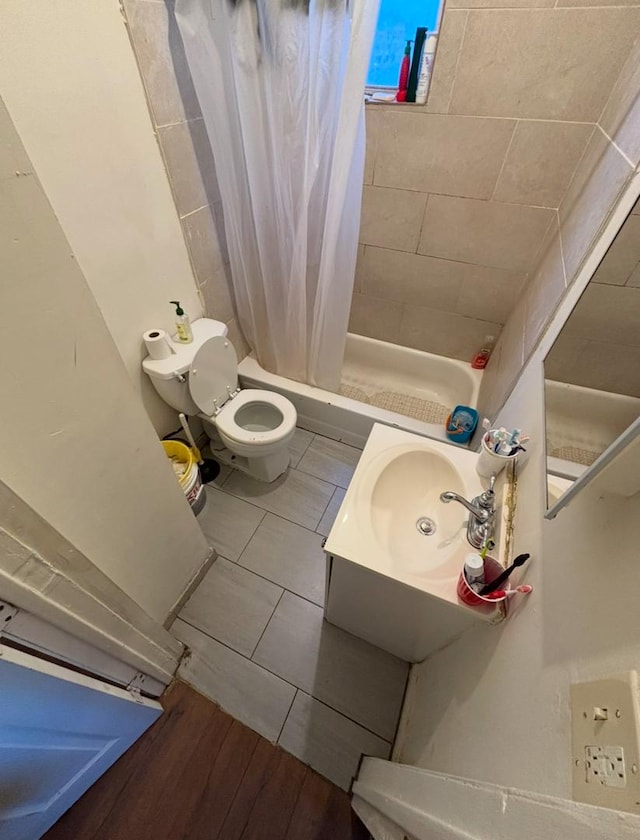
pixel 491 587
pixel 525 589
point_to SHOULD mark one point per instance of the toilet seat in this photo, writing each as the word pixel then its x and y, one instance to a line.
pixel 213 374
pixel 228 423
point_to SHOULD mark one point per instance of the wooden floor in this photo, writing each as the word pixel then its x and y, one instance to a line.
pixel 198 773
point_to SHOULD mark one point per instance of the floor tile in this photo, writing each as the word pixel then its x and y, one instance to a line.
pixel 357 679
pixel 331 743
pixel 233 605
pixel 329 516
pixel 331 461
pixel 298 446
pixel 288 555
pixel 296 496
pixel 228 523
pixel 243 689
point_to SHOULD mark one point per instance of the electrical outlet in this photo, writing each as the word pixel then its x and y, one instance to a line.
pixel 606 750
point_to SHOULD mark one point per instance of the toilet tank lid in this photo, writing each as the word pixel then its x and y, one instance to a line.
pixel 182 356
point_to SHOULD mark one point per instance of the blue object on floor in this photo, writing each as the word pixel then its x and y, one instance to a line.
pixel 461 424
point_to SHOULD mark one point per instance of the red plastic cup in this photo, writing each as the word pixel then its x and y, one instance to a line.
pixel 467 595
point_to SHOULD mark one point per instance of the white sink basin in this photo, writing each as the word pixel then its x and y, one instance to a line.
pixel 396 485
pixel 406 493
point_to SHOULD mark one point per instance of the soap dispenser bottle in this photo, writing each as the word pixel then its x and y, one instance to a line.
pixel 184 333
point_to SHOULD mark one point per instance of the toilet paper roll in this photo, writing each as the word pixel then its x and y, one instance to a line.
pixel 157 343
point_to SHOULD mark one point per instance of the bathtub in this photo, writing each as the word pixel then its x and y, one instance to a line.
pixel 387 374
pixel 584 420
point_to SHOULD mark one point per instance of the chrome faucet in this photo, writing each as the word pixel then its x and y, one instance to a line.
pixel 481 523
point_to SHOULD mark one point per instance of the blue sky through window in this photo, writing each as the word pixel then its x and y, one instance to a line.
pixel 397 24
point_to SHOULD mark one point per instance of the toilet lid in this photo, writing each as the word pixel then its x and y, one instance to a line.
pixel 213 373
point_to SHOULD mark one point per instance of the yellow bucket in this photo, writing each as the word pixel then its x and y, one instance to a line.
pixel 180 454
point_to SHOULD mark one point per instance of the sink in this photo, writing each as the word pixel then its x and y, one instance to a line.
pixel 395 488
pixel 409 521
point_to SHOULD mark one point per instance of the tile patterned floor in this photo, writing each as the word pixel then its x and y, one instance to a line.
pixel 260 646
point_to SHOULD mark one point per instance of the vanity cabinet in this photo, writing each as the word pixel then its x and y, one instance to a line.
pixel 406 622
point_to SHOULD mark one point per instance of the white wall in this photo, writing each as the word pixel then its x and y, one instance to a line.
pixel 494 705
pixel 75 442
pixel 70 82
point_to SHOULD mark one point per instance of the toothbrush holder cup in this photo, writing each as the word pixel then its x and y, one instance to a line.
pixel 490 463
pixel 469 596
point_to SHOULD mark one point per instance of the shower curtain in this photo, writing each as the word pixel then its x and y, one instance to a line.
pixel 280 84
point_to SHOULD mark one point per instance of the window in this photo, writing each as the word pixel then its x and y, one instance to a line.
pixel 397 23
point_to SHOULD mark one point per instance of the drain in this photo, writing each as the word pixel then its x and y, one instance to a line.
pixel 426 526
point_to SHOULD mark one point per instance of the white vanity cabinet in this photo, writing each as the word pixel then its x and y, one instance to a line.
pixel 402 620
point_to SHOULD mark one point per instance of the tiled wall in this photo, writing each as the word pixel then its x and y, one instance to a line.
pixel 611 158
pixel 183 140
pixel 599 346
pixel 460 194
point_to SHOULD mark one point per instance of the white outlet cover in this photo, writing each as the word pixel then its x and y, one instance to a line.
pixel 606 752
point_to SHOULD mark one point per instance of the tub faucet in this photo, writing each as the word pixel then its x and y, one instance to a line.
pixel 481 523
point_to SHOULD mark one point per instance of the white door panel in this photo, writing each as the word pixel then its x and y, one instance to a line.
pixel 59 732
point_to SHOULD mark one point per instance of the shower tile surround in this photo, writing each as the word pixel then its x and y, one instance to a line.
pixel 181 133
pixel 260 647
pixel 610 160
pixel 463 196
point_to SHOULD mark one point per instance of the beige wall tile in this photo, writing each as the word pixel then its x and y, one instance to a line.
pixel 593 364
pixel 542 158
pixel 561 361
pixel 446 60
pixel 483 232
pixel 607 313
pixel 634 277
pixel 357 283
pixel 441 154
pixel 236 337
pixel 204 240
pixel 372 119
pixel 621 116
pixel 622 257
pixel 411 278
pixel 636 208
pixel 391 218
pixel 543 293
pixel 601 175
pixel 489 293
pixel 375 318
pixel 500 4
pixel 444 333
pixel 189 161
pixel 217 296
pixel 542 63
pixel 474 291
pixel 504 365
pixel 162 61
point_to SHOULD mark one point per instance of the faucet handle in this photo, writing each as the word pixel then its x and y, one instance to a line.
pixel 486 499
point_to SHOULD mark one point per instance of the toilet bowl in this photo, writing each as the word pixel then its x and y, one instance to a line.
pixel 250 429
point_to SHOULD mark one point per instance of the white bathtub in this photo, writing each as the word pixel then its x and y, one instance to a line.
pixel 373 366
pixel 585 419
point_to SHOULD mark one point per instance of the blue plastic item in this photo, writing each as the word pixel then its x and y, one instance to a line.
pixel 461 424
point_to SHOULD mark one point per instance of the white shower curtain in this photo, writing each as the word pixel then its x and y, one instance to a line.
pixel 280 84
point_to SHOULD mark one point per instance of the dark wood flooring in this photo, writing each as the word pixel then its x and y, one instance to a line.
pixel 198 774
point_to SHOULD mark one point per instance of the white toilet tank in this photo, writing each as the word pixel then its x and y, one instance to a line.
pixel 166 374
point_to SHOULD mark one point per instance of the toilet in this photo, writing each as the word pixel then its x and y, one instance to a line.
pixel 249 429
